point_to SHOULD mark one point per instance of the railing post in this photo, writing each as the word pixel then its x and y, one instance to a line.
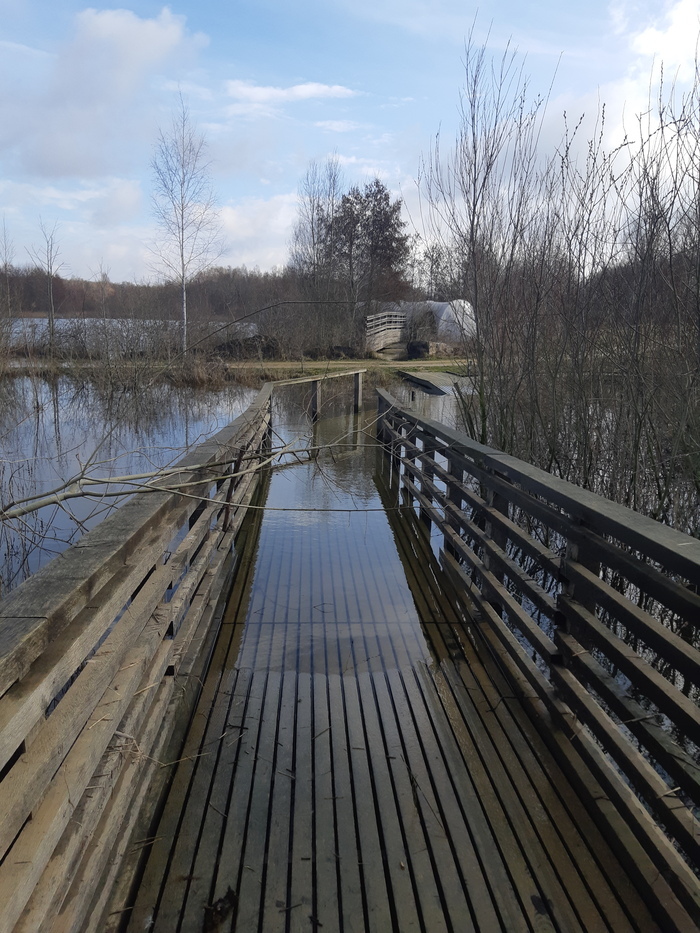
pixel 499 537
pixel 454 496
pixel 581 554
pixel 427 473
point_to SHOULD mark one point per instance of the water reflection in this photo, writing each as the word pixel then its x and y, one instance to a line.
pixel 51 431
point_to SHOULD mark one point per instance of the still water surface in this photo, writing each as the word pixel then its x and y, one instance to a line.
pixel 51 432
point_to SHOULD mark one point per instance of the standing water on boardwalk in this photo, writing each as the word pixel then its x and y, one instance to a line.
pixel 354 764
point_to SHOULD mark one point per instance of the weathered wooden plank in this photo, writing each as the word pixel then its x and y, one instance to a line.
pixel 451 649
pixel 210 804
pixel 110 768
pixel 661 876
pixel 303 848
pixel 589 630
pixel 379 902
pixel 675 761
pixel 669 809
pixel 37 611
pixel 33 848
pixel 415 895
pixel 126 793
pixel 231 864
pixel 327 904
pixel 276 901
pixel 253 851
pixel 166 860
pixel 667 645
pixel 564 822
pixel 190 666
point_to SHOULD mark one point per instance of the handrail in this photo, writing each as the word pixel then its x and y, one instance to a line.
pixel 101 655
pixel 593 607
pixel 383 328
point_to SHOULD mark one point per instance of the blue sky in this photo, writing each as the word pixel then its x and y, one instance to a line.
pixel 273 84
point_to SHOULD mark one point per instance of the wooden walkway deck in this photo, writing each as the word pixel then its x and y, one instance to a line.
pixel 357 761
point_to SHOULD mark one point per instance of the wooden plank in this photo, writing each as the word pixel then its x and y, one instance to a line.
pixel 379 903
pixel 39 610
pixel 499 593
pixel 277 905
pixel 236 786
pixel 663 801
pixel 646 855
pixel 174 849
pixel 150 888
pixel 23 786
pixel 416 892
pixel 303 903
pixel 25 703
pixel 675 761
pixel 116 819
pixel 327 904
pixel 101 791
pixel 657 636
pixel 190 667
pixel 209 798
pixel 250 891
pixel 589 630
pixel 32 849
pixel 563 816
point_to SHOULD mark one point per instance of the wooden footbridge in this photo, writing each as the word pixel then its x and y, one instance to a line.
pixel 411 683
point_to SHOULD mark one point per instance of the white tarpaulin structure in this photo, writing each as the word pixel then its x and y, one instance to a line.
pixel 454 320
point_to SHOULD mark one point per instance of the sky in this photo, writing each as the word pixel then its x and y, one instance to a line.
pixel 273 84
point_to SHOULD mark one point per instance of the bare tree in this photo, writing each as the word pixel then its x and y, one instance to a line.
pixel 184 205
pixel 320 192
pixel 47 258
pixel 7 254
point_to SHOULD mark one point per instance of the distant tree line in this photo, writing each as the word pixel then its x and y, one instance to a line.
pixel 349 253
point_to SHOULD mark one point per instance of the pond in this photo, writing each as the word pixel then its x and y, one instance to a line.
pixel 55 431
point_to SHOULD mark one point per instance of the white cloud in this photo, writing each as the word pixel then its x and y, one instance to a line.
pixel 674 40
pixel 17 48
pixel 119 202
pixel 257 230
pixel 69 119
pixel 338 126
pixel 260 99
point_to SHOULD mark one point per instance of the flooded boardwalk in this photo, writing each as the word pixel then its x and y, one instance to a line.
pixel 357 761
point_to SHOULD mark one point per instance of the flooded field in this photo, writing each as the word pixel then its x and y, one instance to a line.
pixel 58 431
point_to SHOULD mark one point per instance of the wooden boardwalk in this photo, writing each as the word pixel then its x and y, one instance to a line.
pixel 357 761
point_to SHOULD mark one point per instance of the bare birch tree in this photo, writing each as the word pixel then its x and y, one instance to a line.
pixel 47 258
pixel 184 205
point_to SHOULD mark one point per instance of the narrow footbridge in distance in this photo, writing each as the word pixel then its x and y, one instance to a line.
pixel 386 679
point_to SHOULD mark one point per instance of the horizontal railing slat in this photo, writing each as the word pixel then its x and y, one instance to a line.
pixel 681 767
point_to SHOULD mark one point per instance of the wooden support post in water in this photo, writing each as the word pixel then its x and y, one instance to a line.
pixel 315 399
pixel 357 394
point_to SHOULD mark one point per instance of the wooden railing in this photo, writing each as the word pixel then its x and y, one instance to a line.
pixel 384 328
pixel 595 611
pixel 101 658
